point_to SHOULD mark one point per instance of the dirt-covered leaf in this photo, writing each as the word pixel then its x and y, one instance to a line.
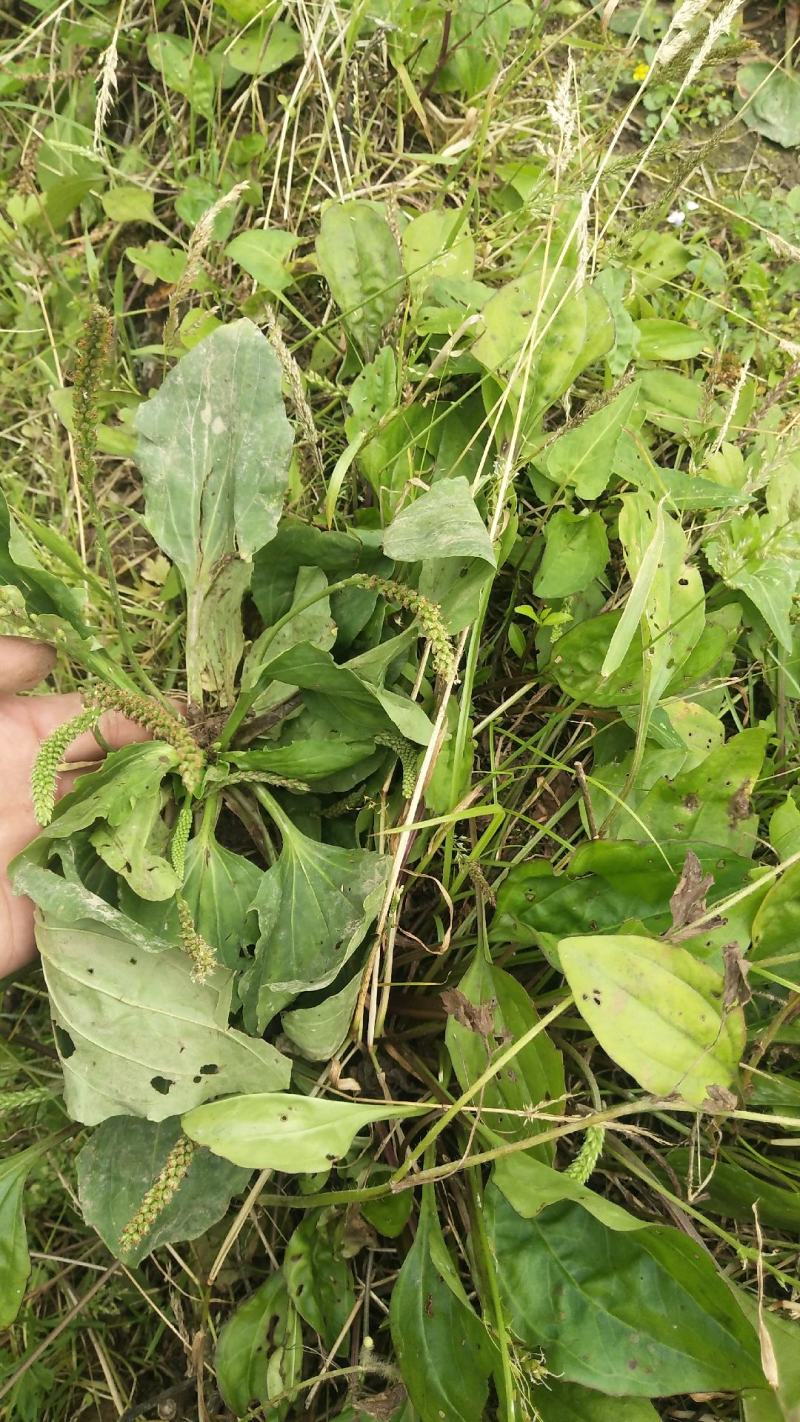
pixel 260 1350
pixel 502 1012
pixel 443 1350
pixel 118 1165
pixel 678 1328
pixel 214 449
pixel 360 260
pixel 657 1012
pixel 278 1131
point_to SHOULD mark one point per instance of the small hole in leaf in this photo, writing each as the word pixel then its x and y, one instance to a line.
pixel 210 1069
pixel 161 1084
pixel 64 1042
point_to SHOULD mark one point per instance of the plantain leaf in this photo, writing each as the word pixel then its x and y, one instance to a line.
pixel 277 1131
pixel 575 552
pixel 318 1276
pixel 15 1264
pixel 260 1350
pixel 136 1035
pixel 775 928
pixel 360 260
pixel 530 1186
pixel 639 1313
pixel 117 1167
pixel 443 1350
pixel 314 906
pixel 442 523
pixel 569 1402
pixel 214 448
pixel 489 1009
pixel 583 457
pixel 656 1011
pixel 219 888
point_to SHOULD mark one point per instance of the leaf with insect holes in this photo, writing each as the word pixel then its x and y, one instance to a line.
pixel 118 1165
pixel 260 1350
pixel 491 1010
pixel 677 1328
pixel 137 1036
pixel 656 1011
pixel 534 317
pixel 444 1352
pixel 214 449
pixel 360 260
pixel 319 1278
pixel 279 1131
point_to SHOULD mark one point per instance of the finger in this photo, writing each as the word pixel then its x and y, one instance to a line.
pixel 24 663
pixel 50 712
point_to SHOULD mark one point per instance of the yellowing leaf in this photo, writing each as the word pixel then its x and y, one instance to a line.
pixel 656 1011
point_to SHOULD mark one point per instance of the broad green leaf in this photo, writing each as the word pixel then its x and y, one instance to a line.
pixel 569 1402
pixel 196 199
pixel 762 560
pixel 117 1167
pixel 276 1131
pixel 437 244
pixel 314 906
pixel 443 1351
pixel 730 1190
pixel 668 340
pixel 124 795
pixel 318 1278
pixel 783 1403
pixel 15 1264
pixel 641 1313
pixel 359 258
pixel 656 1011
pixel 340 696
pixel 576 552
pixel 158 262
pixel 136 1035
pixel 183 69
pixel 313 626
pixel 319 1029
pixel 263 254
pixel 129 203
pixel 214 449
pixel 298 545
pixel 578 658
pixel 711 803
pixel 583 457
pixel 247 1373
pixel 264 48
pixel 545 338
pixel 531 1186
pixel 441 523
pixel 220 887
pixel 784 829
pixel 44 594
pixel 532 1080
pixel 311 750
pixel 774 101
pixel 776 928
pixel 658 257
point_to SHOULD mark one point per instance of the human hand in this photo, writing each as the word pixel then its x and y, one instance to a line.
pixel 25 721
